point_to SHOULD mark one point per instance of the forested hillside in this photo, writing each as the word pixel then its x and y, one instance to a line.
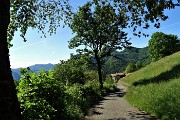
pixel 119 60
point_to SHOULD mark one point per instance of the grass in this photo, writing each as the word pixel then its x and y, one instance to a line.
pixel 156 88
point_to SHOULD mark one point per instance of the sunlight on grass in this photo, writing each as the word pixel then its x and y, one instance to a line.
pixel 156 88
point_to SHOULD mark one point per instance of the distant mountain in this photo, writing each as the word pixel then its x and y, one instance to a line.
pixel 36 68
pixel 16 76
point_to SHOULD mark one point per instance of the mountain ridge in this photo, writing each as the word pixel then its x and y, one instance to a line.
pixel 35 68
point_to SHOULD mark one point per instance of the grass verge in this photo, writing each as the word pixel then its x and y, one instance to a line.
pixel 156 88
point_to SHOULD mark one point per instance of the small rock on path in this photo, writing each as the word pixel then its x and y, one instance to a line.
pixel 116 107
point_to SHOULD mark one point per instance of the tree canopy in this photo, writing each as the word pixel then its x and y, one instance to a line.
pixel 161 45
pixel 39 14
pixel 140 13
pixel 99 29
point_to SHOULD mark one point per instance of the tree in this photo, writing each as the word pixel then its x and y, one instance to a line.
pixel 131 67
pixel 20 15
pixel 10 109
pixel 99 30
pixel 161 45
pixel 138 65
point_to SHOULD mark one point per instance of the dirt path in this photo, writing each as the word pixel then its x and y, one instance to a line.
pixel 115 107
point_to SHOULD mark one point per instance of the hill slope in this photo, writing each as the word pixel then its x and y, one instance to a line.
pixel 37 67
pixel 119 60
pixel 156 88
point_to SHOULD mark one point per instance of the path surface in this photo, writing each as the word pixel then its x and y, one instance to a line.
pixel 115 107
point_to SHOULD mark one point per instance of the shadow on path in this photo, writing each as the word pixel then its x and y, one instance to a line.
pixel 115 107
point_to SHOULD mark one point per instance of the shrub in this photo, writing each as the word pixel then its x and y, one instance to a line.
pixel 41 96
pixel 109 85
pixel 91 91
pixel 76 103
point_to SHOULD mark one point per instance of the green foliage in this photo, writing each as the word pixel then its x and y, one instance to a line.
pixel 37 14
pixel 41 96
pixel 156 88
pixel 109 84
pixel 119 60
pixel 161 45
pixel 76 103
pixel 138 65
pixel 16 83
pixel 131 67
pixel 92 92
pixel 71 71
pixel 140 13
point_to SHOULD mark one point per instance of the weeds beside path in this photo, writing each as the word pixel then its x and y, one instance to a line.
pixel 115 107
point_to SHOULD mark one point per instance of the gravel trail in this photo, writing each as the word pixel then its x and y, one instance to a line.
pixel 116 107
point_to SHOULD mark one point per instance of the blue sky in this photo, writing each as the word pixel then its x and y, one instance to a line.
pixel 53 48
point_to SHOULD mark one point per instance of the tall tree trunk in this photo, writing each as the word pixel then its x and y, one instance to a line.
pixel 9 106
pixel 99 70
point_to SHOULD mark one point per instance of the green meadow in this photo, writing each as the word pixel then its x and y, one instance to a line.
pixel 156 88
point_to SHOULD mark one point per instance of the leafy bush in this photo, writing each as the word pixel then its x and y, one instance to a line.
pixel 109 85
pixel 91 91
pixel 76 103
pixel 41 96
pixel 138 65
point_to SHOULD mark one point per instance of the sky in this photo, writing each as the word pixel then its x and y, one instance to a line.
pixel 54 48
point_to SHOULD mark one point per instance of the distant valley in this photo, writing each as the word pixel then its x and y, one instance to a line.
pixel 37 67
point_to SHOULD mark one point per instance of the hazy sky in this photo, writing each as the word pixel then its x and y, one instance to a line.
pixel 39 50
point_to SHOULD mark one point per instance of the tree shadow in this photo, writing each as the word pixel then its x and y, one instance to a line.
pixel 110 96
pixel 140 116
pixel 166 76
pixel 121 118
pixel 118 93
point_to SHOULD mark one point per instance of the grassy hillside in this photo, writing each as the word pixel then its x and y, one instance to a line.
pixel 156 88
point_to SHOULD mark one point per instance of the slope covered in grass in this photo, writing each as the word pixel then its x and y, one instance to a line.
pixel 156 88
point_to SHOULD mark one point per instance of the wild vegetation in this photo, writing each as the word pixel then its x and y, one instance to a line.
pixel 156 88
pixel 67 92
